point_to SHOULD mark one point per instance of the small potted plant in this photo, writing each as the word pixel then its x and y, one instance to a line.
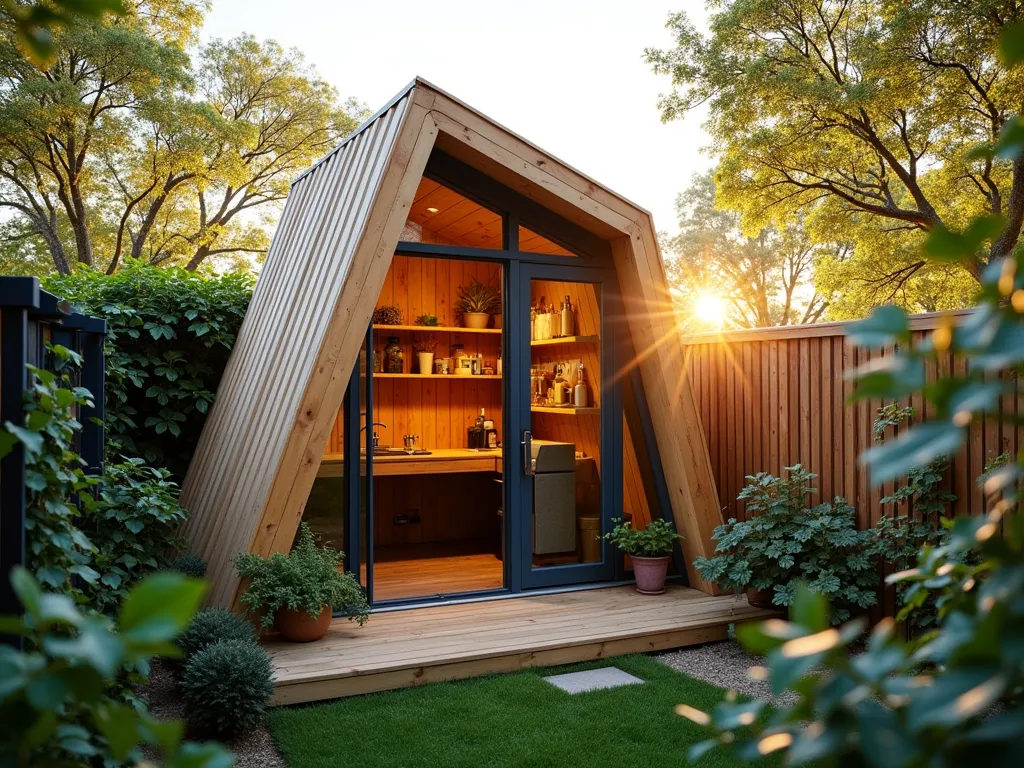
pixel 299 591
pixel 475 303
pixel 427 320
pixel 650 550
pixel 424 349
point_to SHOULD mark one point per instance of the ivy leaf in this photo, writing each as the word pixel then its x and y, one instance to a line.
pixel 8 441
pixel 33 441
pixel 160 607
pixel 885 325
pixel 1011 44
pixel 919 446
pixel 945 245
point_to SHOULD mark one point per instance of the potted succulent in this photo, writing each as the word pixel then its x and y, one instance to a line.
pixel 428 320
pixel 299 591
pixel 475 303
pixel 650 550
pixel 424 349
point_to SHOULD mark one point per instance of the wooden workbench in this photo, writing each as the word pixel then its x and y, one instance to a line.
pixel 443 461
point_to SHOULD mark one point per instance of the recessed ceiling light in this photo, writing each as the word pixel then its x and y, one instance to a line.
pixel 431 210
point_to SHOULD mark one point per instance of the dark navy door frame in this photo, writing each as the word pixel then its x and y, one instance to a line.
pixel 610 426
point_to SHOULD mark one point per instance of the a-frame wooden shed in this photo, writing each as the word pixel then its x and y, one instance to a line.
pixel 295 390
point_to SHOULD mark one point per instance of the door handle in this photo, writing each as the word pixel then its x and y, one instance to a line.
pixel 527 452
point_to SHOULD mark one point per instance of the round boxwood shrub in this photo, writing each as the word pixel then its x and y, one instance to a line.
pixel 226 687
pixel 212 626
pixel 190 565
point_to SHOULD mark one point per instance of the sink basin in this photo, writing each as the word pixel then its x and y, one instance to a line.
pixel 399 452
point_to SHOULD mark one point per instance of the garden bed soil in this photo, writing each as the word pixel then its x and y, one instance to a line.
pixel 253 749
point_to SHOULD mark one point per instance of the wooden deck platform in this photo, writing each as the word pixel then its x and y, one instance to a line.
pixel 401 649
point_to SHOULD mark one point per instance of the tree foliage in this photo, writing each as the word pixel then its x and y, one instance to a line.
pixel 133 141
pixel 875 119
pixel 765 279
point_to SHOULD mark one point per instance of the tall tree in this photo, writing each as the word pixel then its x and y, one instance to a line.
pixel 765 280
pixel 133 142
pixel 856 114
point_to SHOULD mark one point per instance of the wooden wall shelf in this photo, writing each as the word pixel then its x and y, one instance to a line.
pixel 565 340
pixel 446 376
pixel 436 329
pixel 568 410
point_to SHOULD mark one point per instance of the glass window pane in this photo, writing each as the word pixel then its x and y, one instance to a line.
pixel 442 216
pixel 565 419
pixel 531 242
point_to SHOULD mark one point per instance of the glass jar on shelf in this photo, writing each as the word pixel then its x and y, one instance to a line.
pixel 394 357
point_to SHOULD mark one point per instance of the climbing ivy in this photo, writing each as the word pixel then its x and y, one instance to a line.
pixel 54 474
pixel 169 334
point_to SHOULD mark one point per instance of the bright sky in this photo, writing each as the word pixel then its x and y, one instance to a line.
pixel 566 74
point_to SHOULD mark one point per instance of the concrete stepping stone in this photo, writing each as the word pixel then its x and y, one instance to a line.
pixel 593 680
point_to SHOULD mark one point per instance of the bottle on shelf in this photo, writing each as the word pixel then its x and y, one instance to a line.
pixel 561 386
pixel 567 318
pixel 580 397
pixel 394 357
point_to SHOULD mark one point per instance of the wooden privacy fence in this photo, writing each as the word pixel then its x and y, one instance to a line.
pixel 771 398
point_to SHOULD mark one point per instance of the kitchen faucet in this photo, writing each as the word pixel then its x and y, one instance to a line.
pixel 376 437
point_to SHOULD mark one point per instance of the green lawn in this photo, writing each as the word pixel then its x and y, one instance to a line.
pixel 504 720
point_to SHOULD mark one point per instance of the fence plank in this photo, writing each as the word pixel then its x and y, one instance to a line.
pixel 770 398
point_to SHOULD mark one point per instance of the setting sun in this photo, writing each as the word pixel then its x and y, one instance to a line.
pixel 709 309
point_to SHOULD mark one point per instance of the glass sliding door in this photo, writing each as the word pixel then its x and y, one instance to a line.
pixel 570 430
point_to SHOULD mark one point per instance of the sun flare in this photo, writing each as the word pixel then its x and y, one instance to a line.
pixel 709 309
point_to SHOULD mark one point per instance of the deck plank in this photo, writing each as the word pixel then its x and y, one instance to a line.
pixel 400 649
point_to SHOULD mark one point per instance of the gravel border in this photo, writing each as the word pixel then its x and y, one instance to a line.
pixel 724 664
pixel 253 749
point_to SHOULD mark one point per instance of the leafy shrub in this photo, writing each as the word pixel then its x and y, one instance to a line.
pixel 226 687
pixel 169 334
pixel 656 540
pixel 191 565
pixel 54 707
pixel 134 524
pixel 212 626
pixel 308 578
pixel 783 542
pixel 54 474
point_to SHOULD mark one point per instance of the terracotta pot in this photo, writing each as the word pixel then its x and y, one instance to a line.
pixel 760 598
pixel 650 574
pixel 300 627
pixel 497 320
pixel 475 319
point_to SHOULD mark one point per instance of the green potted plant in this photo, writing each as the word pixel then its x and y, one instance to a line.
pixel 475 303
pixel 650 550
pixel 424 349
pixel 428 320
pixel 783 542
pixel 299 591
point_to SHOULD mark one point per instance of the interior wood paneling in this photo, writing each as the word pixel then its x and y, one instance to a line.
pixel 441 215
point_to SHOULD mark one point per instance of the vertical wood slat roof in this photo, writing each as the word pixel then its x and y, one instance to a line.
pixel 236 460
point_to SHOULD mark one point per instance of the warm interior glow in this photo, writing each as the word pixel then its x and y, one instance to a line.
pixel 709 309
pixel 431 210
